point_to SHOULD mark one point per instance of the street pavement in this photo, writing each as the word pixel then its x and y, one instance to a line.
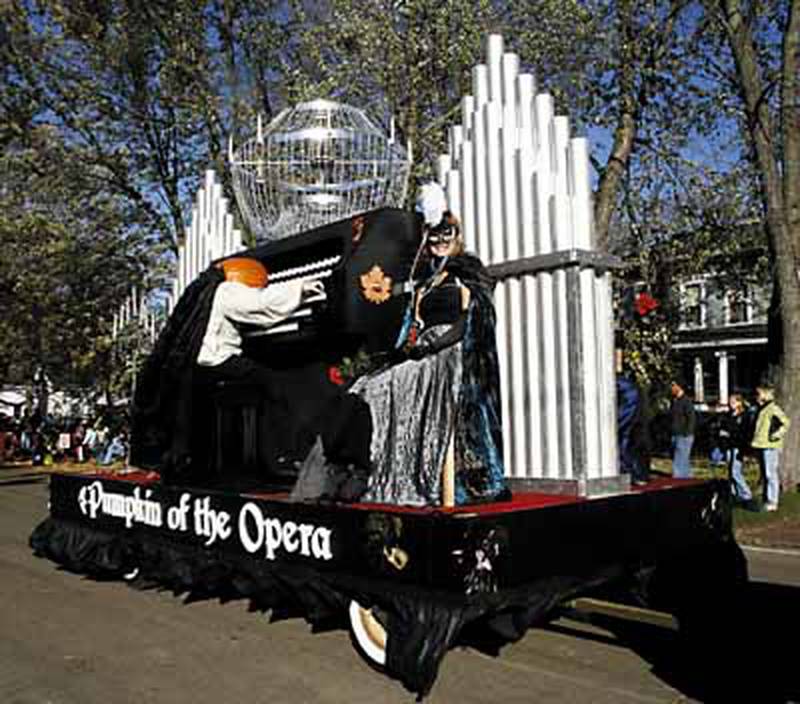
pixel 66 639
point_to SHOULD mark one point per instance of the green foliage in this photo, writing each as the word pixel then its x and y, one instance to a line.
pixel 110 112
pixel 645 344
pixel 68 256
pixel 410 60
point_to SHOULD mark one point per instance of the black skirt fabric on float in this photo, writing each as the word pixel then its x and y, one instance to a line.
pixel 448 392
pixel 414 409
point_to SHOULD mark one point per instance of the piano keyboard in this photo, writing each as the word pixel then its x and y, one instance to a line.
pixel 314 271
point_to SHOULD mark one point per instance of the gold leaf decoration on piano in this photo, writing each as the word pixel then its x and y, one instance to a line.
pixel 377 287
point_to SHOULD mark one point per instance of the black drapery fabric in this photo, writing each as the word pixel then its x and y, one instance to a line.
pixel 422 625
pixel 162 417
pixel 171 409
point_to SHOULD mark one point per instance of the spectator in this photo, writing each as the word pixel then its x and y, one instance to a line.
pixel 63 445
pixel 4 436
pixel 90 443
pixel 39 449
pixel 117 450
pixel 102 441
pixel 716 436
pixel 736 432
pixel 772 425
pixel 683 425
pixel 26 438
pixel 78 434
pixel 633 437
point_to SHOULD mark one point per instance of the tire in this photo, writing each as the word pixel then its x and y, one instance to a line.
pixel 368 635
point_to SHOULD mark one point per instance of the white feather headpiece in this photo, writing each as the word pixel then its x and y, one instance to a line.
pixel 432 203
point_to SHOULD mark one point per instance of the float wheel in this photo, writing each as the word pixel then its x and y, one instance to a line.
pixel 368 635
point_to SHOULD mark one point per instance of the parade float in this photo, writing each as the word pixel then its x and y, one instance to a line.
pixel 322 187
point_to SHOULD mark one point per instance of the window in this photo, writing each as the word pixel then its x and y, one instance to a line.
pixel 693 305
pixel 739 306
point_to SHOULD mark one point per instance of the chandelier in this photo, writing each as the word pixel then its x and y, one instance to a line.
pixel 316 163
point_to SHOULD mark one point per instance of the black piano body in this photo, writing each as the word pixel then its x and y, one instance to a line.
pixel 363 262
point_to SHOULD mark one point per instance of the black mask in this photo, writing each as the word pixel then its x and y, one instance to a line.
pixel 443 233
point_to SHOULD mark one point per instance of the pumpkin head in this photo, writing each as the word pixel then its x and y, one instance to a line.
pixel 249 272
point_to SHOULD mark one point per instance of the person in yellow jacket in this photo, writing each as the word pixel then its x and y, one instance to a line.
pixel 772 425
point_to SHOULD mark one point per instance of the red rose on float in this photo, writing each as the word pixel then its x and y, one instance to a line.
pixel 335 376
pixel 645 303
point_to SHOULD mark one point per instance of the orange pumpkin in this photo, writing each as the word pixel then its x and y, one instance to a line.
pixel 249 272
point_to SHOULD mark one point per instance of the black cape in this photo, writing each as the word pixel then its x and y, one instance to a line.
pixel 161 433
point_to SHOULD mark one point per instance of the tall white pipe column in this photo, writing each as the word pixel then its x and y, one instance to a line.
pixel 520 185
pixel 210 235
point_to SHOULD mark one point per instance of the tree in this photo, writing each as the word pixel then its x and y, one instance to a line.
pixel 407 59
pixel 148 92
pixel 764 43
pixel 69 255
pixel 110 113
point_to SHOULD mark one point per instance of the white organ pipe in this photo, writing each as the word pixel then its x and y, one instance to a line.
pixel 443 168
pixel 219 227
pixel 509 74
pixel 546 313
pixel 480 89
pixel 580 196
pixel 561 222
pixel 481 192
pixel 456 138
pixel 517 442
pixel 197 244
pixel 227 234
pixel 468 196
pixel 209 236
pixel 216 224
pixel 494 58
pixel 496 254
pixel 454 193
pixel 530 342
pixel 181 268
pixel 606 375
pixel 467 111
pixel 581 193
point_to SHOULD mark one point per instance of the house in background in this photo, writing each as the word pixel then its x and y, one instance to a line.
pixel 721 342
pixel 12 401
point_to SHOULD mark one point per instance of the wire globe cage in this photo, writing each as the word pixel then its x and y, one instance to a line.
pixel 316 163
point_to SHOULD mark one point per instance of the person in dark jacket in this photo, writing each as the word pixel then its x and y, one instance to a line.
pixel 736 433
pixel 633 435
pixel 683 425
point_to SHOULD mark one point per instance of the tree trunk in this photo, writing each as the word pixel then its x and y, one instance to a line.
pixel 780 195
pixel 788 270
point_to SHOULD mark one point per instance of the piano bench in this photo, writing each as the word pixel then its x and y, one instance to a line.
pixel 237 408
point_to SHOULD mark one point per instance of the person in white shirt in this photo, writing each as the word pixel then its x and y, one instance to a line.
pixel 236 303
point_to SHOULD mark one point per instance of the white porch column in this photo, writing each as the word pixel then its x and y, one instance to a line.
pixel 724 386
pixel 699 388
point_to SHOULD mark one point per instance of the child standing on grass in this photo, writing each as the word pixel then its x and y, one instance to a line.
pixel 772 425
pixel 737 431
